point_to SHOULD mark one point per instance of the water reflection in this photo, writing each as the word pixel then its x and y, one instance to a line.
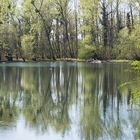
pixel 77 98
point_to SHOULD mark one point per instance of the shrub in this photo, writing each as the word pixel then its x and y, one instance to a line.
pixel 127 45
pixel 27 42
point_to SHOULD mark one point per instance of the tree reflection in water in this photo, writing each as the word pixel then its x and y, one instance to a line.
pixel 46 94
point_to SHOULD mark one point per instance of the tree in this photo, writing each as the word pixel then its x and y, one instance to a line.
pixel 66 29
pixel 47 21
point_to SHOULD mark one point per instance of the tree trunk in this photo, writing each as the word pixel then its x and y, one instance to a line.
pixel 132 18
pixel 105 27
pixel 47 30
pixel 76 29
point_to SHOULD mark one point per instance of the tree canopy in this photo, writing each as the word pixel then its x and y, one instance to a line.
pixel 54 29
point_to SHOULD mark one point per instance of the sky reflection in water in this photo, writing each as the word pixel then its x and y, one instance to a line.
pixel 64 101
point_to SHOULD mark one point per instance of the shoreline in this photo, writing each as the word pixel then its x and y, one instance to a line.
pixel 92 61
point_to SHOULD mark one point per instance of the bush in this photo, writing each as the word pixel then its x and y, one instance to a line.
pixel 127 45
pixel 86 52
pixel 27 43
pixel 87 49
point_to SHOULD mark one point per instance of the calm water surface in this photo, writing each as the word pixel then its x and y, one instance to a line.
pixel 66 101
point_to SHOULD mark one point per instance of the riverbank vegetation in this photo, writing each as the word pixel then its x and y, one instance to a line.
pixel 135 84
pixel 54 29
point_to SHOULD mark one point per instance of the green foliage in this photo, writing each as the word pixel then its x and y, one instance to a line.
pixel 8 38
pixel 128 45
pixel 89 15
pixel 136 65
pixel 136 90
pixel 86 50
pixel 134 84
pixel 27 46
pixel 56 25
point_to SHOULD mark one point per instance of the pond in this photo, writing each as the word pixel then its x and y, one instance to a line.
pixel 66 101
